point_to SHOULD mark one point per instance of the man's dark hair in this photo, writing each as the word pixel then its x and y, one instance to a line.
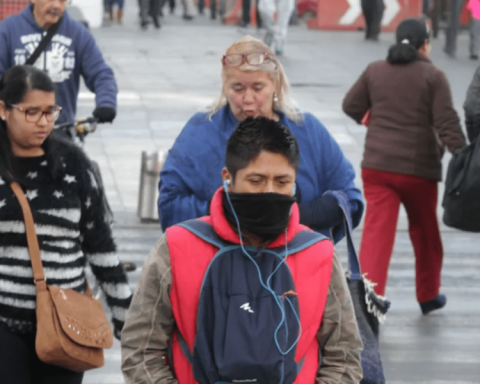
pixel 254 135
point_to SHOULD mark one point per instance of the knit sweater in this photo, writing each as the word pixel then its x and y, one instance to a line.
pixel 71 230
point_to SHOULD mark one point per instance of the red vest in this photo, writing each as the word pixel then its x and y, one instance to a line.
pixel 190 257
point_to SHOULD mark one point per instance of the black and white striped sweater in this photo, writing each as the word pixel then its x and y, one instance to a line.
pixel 71 230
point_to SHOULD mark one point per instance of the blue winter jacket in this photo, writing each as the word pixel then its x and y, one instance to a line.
pixel 192 171
pixel 72 52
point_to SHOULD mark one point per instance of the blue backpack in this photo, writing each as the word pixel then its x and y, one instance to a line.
pixel 248 321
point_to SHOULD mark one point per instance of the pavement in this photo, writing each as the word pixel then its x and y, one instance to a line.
pixel 167 75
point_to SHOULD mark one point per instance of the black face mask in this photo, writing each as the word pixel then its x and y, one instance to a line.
pixel 265 215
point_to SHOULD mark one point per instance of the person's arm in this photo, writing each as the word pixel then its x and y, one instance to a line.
pixel 99 248
pixel 150 323
pixel 445 119
pixel 357 101
pixel 99 78
pixel 186 180
pixel 335 173
pixel 5 54
pixel 472 107
pixel 177 200
pixel 338 336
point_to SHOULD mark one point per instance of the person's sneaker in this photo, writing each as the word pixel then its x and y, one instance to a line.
pixel 268 39
pixel 156 23
pixel 449 53
pixel 279 51
pixel 144 24
pixel 439 302
pixel 187 17
pixel 474 57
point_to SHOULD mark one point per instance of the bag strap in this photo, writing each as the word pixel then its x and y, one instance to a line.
pixel 205 231
pixel 353 263
pixel 43 44
pixel 32 240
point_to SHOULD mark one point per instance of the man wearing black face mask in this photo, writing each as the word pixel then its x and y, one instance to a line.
pixel 246 294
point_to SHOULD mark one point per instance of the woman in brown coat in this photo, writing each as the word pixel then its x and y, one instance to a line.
pixel 411 120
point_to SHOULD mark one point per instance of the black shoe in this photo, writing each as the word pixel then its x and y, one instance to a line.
pixel 144 24
pixel 213 16
pixel 439 302
pixel 474 57
pixel 172 11
pixel 449 53
pixel 156 23
pixel 187 17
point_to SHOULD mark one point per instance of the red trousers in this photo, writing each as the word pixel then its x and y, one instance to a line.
pixel 384 192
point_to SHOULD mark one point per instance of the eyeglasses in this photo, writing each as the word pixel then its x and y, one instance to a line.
pixel 34 114
pixel 252 58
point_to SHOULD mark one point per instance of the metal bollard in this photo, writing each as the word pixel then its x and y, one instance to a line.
pixel 151 166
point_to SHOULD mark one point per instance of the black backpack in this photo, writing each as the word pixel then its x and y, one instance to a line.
pixel 462 189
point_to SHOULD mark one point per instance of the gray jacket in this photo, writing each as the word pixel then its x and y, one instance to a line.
pixel 150 323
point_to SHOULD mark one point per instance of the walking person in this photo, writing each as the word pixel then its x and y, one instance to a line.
pixel 119 16
pixel 412 119
pixel 149 8
pixel 72 54
pixel 276 34
pixel 254 85
pixel 474 8
pixel 373 14
pixel 69 217
pixel 453 26
pixel 234 313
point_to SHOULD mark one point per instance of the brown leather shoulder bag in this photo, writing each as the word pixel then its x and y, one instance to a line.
pixel 72 328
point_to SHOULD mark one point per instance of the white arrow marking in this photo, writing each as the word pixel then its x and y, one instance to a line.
pixel 353 12
pixel 392 7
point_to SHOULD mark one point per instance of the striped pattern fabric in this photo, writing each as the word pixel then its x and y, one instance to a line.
pixel 11 7
pixel 72 233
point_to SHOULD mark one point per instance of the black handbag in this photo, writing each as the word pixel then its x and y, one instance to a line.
pixel 461 201
pixel 370 309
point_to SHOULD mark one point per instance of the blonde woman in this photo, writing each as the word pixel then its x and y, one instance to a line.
pixel 254 84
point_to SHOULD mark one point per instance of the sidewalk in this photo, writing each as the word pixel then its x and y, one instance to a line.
pixel 166 75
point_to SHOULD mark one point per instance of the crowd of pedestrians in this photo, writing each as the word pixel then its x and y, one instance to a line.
pixel 244 285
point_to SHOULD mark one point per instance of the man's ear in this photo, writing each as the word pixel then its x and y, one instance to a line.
pixel 226 175
pixel 3 110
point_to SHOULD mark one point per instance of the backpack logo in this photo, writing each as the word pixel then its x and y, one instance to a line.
pixel 246 307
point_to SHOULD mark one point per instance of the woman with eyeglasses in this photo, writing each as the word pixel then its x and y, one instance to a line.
pixel 68 212
pixel 411 120
pixel 254 84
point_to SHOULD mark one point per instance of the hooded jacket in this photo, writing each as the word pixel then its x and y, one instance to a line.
pixel 71 53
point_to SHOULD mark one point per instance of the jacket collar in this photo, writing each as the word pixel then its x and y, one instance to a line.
pixel 223 229
pixel 422 57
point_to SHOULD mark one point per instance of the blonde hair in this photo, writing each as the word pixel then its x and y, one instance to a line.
pixel 272 67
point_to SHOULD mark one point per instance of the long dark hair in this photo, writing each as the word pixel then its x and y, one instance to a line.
pixel 14 86
pixel 411 35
